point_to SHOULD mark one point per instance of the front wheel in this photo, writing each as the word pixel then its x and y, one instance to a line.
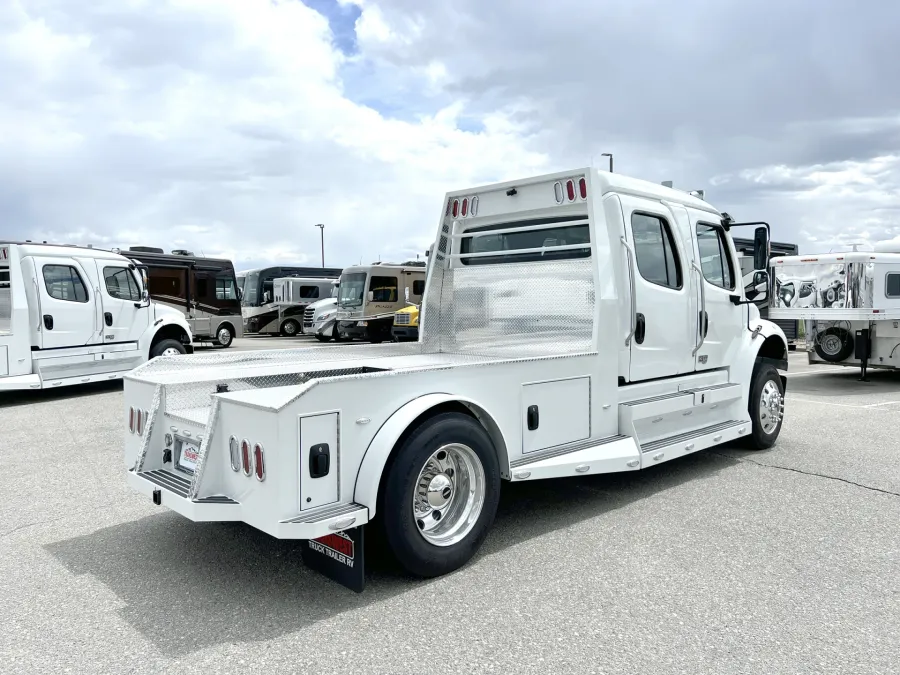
pixel 766 407
pixel 440 495
pixel 290 328
pixel 167 348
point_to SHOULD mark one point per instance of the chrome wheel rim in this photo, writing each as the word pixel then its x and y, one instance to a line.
pixel 170 351
pixel 289 328
pixel 449 494
pixel 224 336
pixel 771 407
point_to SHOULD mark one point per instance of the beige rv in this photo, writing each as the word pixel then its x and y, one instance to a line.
pixel 370 294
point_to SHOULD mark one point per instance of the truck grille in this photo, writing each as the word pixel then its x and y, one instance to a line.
pixel 308 315
pixel 401 319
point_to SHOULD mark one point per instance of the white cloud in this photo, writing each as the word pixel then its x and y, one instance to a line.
pixel 233 126
pixel 234 137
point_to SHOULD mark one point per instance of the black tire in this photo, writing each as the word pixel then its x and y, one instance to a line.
pixel 290 328
pixel 322 338
pixel 411 549
pixel 834 344
pixel 763 374
pixel 163 345
pixel 228 333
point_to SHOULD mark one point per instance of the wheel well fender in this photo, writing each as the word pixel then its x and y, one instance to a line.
pixel 774 351
pixel 400 424
pixel 170 331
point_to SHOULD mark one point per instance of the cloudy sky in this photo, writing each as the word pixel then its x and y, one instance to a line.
pixel 232 127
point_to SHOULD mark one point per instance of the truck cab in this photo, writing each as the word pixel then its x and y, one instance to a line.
pixel 662 356
pixel 406 324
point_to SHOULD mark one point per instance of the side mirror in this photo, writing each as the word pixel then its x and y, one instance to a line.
pixel 760 277
pixel 761 248
pixel 371 296
pixel 240 293
pixel 145 298
pixel 406 294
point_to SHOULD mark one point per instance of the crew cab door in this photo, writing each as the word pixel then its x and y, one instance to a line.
pixel 124 320
pixel 68 306
pixel 719 275
pixel 659 257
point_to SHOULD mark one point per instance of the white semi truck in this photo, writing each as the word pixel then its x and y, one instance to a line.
pixel 664 357
pixel 72 315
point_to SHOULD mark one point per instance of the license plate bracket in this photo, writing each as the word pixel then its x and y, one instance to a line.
pixel 187 453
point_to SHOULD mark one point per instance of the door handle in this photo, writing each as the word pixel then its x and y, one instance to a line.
pixel 48 321
pixel 704 323
pixel 107 316
pixel 534 418
pixel 319 460
pixel 641 329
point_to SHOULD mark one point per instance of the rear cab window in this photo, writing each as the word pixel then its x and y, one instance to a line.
pixel 539 239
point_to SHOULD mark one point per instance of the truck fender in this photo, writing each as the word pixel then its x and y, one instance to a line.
pixel 368 478
pixel 772 348
pixel 163 325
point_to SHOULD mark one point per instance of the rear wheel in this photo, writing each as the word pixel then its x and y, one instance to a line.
pixel 766 406
pixel 167 348
pixel 224 336
pixel 440 495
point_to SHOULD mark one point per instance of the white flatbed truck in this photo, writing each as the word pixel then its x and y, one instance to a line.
pixel 72 315
pixel 662 357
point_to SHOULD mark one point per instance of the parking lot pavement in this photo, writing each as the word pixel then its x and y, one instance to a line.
pixel 783 561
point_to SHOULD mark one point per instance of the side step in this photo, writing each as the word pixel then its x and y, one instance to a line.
pixel 679 445
pixel 596 455
pixel 338 517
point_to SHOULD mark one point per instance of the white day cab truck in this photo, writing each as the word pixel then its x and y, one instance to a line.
pixel 663 358
pixel 850 302
pixel 71 315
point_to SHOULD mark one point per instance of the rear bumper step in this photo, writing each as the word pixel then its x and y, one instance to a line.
pixel 172 490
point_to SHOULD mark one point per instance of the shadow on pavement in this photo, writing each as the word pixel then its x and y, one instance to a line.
pixel 187 586
pixel 10 399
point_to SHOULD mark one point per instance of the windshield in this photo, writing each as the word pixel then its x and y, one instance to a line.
pixel 350 293
pixel 251 283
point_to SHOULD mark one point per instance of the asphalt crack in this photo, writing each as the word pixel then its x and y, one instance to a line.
pixel 809 473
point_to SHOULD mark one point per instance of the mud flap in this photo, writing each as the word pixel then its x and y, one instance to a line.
pixel 339 556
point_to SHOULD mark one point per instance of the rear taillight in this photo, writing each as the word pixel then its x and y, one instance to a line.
pixel 260 461
pixel 246 457
pixel 234 447
pixel 558 192
pixel 455 210
pixel 582 188
pixel 139 425
pixel 473 206
pixel 131 419
pixel 465 207
pixel 570 190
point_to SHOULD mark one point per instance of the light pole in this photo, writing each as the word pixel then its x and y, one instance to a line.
pixel 321 227
pixel 609 154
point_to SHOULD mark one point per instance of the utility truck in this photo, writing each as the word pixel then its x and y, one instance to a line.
pixel 850 302
pixel 664 358
pixel 71 315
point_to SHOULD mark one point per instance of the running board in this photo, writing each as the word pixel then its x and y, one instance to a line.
pixel 665 449
pixel 596 455
pixel 337 517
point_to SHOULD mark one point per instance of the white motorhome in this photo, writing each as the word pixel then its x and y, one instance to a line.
pixel 850 302
pixel 665 358
pixel 293 295
pixel 70 315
